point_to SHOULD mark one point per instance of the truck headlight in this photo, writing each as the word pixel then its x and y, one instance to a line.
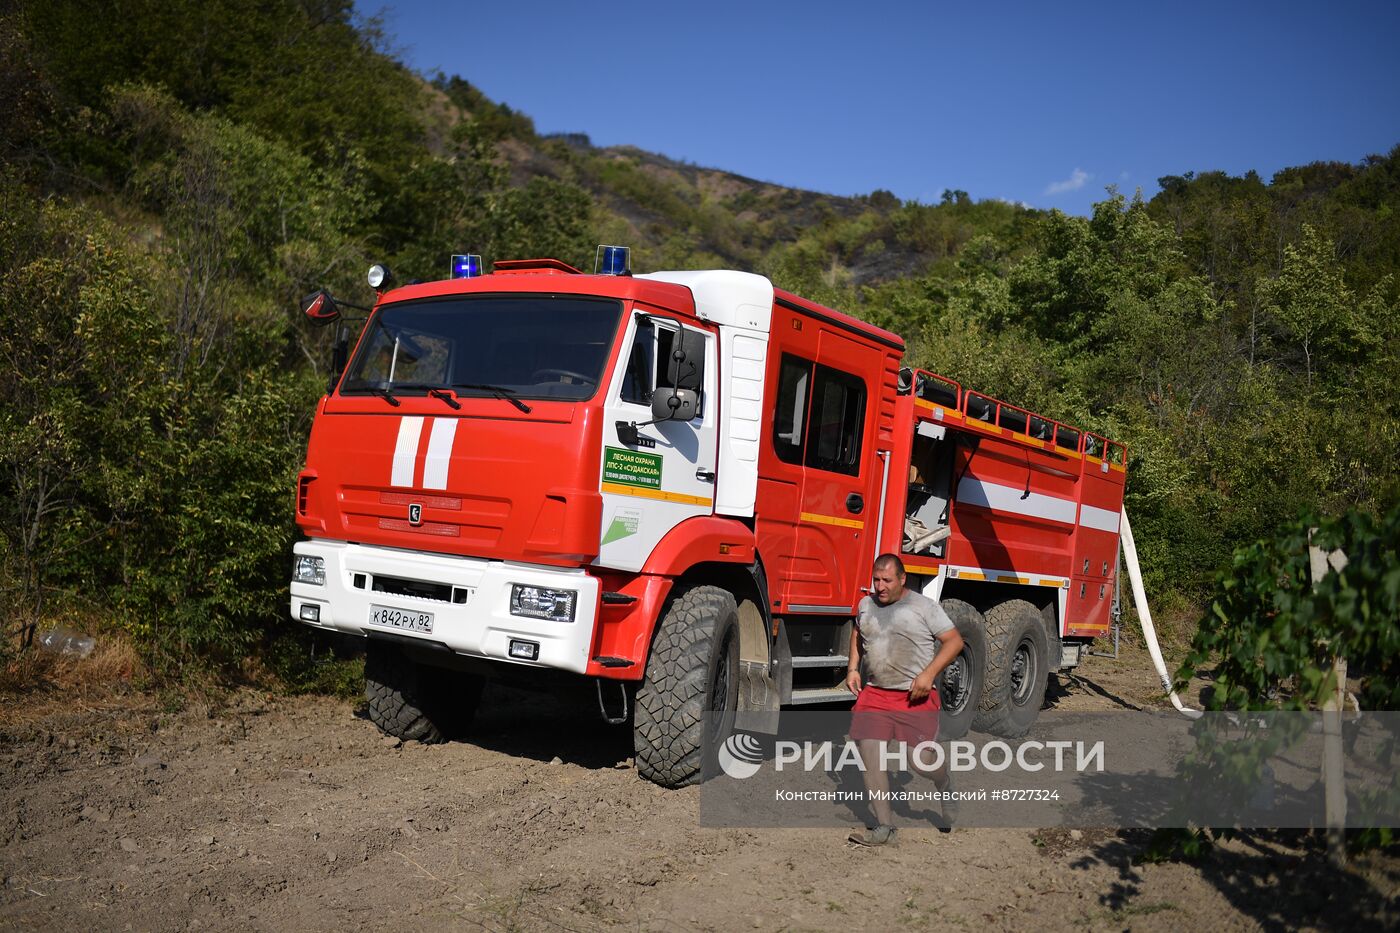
pixel 537 602
pixel 309 570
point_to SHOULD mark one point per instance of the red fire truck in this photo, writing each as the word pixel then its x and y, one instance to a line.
pixel 674 484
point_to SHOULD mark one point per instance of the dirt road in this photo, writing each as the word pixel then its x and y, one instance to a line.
pixel 296 814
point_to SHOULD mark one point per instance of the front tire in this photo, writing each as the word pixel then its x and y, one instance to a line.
pixel 413 702
pixel 1017 649
pixel 960 685
pixel 693 667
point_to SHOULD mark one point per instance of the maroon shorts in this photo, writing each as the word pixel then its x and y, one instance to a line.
pixel 888 716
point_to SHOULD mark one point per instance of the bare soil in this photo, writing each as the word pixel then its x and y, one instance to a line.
pixel 275 813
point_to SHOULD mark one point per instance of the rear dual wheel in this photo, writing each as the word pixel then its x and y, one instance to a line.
pixel 1018 653
pixel 960 685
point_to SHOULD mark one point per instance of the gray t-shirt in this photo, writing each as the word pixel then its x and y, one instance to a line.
pixel 899 640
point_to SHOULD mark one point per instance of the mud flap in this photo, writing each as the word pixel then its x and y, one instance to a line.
pixel 758 699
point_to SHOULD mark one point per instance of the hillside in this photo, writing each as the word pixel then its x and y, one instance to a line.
pixel 175 177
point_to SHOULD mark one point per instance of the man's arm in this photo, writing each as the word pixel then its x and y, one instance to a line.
pixel 949 644
pixel 853 664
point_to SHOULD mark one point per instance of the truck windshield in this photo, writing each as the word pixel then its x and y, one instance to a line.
pixel 529 346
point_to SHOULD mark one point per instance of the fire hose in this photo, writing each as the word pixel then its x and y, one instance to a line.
pixel 1149 632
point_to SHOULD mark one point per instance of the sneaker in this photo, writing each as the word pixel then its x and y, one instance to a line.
pixel 875 836
pixel 950 805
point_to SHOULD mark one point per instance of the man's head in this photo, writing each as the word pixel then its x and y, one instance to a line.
pixel 888 579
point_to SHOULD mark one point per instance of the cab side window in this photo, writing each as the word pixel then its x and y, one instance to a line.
pixel 838 416
pixel 638 379
pixel 790 422
pixel 649 364
pixel 820 416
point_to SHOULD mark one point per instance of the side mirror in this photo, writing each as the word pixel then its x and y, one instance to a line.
pixel 688 360
pixel 320 308
pixel 674 404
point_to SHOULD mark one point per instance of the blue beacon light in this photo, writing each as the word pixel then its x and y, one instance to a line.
pixel 613 260
pixel 466 266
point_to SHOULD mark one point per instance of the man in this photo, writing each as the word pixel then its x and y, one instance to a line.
pixel 905 640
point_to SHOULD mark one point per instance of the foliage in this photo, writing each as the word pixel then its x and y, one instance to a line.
pixel 309 661
pixel 175 177
pixel 305 73
pixel 1272 632
pixel 127 480
pixel 496 121
pixel 73 308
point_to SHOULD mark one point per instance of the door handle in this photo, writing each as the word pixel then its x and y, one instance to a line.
pixel 855 504
pixel 704 475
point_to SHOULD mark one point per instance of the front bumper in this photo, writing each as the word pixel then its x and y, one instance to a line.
pixel 481 627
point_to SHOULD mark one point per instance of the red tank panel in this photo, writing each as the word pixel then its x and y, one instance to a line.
pixel 1028 501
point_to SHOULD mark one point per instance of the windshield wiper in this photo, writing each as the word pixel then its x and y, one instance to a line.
pixel 442 394
pixel 386 395
pixel 498 391
pixel 434 391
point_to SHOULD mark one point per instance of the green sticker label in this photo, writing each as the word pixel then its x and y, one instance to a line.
pixel 624 525
pixel 631 468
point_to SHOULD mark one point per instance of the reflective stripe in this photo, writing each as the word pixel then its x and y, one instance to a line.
pixel 1005 576
pixel 832 520
pixel 439 457
pixel 406 451
pixel 1099 519
pixel 618 489
pixel 1008 499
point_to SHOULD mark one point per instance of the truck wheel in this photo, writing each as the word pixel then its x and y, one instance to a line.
pixel 693 667
pixel 960 685
pixel 414 702
pixel 1016 669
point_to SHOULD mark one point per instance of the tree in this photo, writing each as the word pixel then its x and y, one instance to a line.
pixel 1310 298
pixel 80 384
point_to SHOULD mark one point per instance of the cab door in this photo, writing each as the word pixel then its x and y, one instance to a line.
pixel 840 488
pixel 655 476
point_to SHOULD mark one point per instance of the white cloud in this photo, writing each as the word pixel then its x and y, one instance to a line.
pixel 1074 182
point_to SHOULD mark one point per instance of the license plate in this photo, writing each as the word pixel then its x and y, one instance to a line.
pixel 408 619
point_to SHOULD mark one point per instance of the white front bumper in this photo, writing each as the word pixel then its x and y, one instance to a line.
pixel 482 627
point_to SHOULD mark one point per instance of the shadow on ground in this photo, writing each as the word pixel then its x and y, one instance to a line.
pixel 563 723
pixel 1280 879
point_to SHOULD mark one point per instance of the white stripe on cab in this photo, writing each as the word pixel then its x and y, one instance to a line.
pixel 406 451
pixel 439 457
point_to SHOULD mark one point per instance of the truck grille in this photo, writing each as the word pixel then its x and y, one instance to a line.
pixel 422 589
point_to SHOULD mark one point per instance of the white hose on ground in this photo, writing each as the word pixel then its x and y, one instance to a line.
pixel 1145 615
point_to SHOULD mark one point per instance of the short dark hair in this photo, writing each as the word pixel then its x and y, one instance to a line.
pixel 890 560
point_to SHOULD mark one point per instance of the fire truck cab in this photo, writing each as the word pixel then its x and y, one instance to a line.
pixel 675 484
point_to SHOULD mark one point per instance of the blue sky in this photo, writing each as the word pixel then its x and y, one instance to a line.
pixel 1042 103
